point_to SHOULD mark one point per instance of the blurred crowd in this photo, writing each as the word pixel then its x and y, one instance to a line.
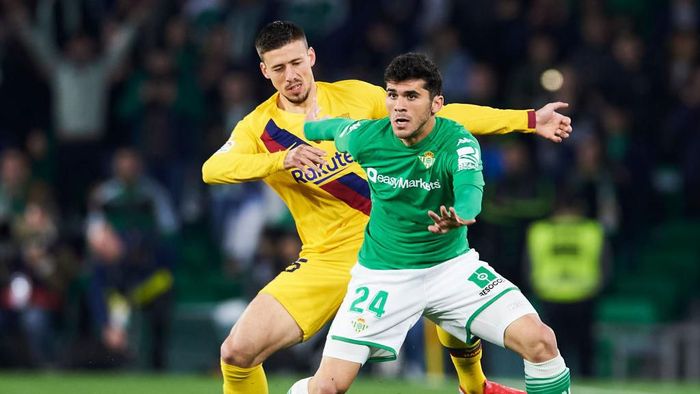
pixel 108 108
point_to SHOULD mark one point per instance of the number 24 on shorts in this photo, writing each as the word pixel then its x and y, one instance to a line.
pixel 376 306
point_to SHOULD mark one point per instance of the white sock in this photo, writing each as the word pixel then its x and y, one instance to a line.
pixel 545 369
pixel 547 377
pixel 300 387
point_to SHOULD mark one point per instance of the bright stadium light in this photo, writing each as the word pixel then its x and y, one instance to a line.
pixel 552 79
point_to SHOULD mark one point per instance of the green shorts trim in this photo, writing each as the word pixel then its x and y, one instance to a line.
pixel 481 309
pixel 390 357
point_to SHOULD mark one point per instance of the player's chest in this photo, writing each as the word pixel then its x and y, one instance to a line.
pixel 391 173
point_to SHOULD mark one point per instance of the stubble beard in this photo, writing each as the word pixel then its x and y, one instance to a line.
pixel 300 99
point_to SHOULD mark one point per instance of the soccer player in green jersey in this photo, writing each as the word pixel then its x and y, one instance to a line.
pixel 426 184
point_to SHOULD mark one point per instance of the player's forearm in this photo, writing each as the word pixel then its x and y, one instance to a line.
pixel 334 129
pixel 231 167
pixel 468 201
pixel 326 129
pixel 486 120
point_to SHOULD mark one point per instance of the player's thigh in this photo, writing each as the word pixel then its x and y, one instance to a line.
pixel 263 328
pixel 311 289
pixel 379 308
pixel 469 298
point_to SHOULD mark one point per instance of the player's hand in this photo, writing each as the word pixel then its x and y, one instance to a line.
pixel 447 220
pixel 552 125
pixel 314 113
pixel 304 157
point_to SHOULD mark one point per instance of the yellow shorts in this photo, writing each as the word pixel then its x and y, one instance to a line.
pixel 312 288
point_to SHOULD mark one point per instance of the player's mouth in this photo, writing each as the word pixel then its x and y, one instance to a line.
pixel 401 121
pixel 295 88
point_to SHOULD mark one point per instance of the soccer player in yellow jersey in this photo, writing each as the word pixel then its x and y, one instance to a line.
pixel 328 196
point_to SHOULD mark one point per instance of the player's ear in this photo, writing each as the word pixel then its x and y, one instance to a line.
pixel 263 70
pixel 438 102
pixel 312 56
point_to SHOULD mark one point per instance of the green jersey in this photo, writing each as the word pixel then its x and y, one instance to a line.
pixel 405 182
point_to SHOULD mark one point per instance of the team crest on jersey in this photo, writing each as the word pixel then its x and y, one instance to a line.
pixel 428 159
pixel 359 324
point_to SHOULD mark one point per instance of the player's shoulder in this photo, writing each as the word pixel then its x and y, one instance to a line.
pixel 454 133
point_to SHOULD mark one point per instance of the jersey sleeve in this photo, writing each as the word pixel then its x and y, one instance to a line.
pixel 486 120
pixel 377 96
pixel 240 159
pixel 339 130
pixel 468 179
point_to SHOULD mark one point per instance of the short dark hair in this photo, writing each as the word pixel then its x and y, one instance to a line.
pixel 415 66
pixel 277 34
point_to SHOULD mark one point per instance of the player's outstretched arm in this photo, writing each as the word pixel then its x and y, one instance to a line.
pixel 481 120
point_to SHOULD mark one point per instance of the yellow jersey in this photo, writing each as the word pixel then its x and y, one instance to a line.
pixel 331 207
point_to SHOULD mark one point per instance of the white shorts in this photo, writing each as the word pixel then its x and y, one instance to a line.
pixel 464 296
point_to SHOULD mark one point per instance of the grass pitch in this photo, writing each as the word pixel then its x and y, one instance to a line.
pixel 127 383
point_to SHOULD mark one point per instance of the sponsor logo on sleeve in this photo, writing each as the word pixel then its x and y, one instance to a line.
pixel 225 147
pixel 468 158
pixel 349 129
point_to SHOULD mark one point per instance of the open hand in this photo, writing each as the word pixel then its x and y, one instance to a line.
pixel 447 220
pixel 552 125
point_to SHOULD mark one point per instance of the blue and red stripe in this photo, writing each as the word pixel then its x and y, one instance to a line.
pixel 349 188
pixel 277 139
pixel 352 190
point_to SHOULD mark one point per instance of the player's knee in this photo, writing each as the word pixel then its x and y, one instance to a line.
pixel 542 344
pixel 237 353
pixel 328 386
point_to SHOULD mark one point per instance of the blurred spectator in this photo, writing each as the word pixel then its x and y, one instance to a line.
pixel 511 202
pixel 79 76
pixel 567 260
pixel 35 267
pixel 593 184
pixel 525 85
pixel 243 21
pixel 454 63
pixel 482 85
pixel 163 106
pixel 131 218
pixel 684 124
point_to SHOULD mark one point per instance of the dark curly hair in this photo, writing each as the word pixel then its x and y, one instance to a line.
pixel 415 66
pixel 277 34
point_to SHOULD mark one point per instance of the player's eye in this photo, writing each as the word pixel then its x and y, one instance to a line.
pixel 392 95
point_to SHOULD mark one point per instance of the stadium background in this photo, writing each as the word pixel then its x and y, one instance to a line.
pixel 163 82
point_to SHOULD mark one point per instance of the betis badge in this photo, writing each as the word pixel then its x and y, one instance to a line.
pixel 359 324
pixel 427 159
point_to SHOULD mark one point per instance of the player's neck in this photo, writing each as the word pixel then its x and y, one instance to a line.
pixel 298 108
pixel 421 133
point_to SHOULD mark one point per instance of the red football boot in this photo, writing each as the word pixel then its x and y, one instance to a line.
pixel 495 388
